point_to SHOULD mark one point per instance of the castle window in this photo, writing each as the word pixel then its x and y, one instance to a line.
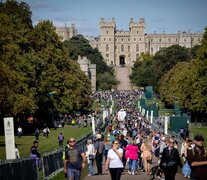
pixel 160 40
pixel 115 47
pixel 107 47
pixel 137 56
pixel 169 39
pixel 107 32
pixel 140 39
pixel 137 47
pixel 128 48
pixel 137 32
pixel 151 49
pixel 184 40
pixel 107 55
pixel 104 39
pixel 134 39
pixel 176 40
pixel 151 40
pixel 109 39
pixel 122 39
pixel 128 39
pixel 122 48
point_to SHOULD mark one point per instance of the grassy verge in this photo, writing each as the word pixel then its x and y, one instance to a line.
pixel 45 144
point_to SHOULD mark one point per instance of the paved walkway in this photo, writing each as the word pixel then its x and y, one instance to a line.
pixel 125 176
pixel 122 75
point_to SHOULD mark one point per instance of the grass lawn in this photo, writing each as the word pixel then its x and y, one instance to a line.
pixel 202 131
pixel 45 144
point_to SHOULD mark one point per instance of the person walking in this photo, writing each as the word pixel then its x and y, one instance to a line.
pixel 60 140
pixel 146 149
pixel 132 151
pixel 123 144
pixel 197 159
pixel 107 147
pixel 37 133
pixel 17 156
pixel 90 155
pixel 35 154
pixel 170 161
pixel 75 160
pixel 114 161
pixel 19 131
pixel 99 151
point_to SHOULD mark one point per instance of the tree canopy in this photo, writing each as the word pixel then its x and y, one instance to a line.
pixel 188 81
pixel 149 69
pixel 33 64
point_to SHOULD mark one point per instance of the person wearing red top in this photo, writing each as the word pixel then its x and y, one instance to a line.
pixel 132 154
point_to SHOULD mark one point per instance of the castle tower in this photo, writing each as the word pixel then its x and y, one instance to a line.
pixel 89 70
pixel 107 40
pixel 92 70
pixel 137 38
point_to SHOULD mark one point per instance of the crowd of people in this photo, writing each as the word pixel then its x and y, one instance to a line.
pixel 132 145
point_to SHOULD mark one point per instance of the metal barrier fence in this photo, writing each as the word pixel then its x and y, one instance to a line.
pixel 23 169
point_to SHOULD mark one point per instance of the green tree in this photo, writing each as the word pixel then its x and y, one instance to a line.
pixel 33 64
pixel 200 94
pixel 168 57
pixel 56 73
pixel 177 83
pixel 79 46
pixel 142 73
pixel 188 82
pixel 15 94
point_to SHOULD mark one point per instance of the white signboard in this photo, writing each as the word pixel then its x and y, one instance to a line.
pixel 9 137
pixel 93 125
pixel 121 115
pixel 104 116
pixel 166 124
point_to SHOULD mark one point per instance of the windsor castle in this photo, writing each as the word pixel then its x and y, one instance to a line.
pixel 120 47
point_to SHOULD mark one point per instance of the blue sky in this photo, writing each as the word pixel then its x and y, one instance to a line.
pixel 160 15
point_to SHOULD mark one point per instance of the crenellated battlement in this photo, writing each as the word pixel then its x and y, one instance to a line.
pixel 123 47
pixel 109 23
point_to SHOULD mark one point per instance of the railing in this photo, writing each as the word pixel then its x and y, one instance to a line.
pixel 19 169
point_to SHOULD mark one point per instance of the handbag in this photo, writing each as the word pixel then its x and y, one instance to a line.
pixel 186 171
pixel 169 164
pixel 91 156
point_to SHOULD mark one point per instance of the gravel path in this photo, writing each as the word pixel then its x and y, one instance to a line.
pixel 122 75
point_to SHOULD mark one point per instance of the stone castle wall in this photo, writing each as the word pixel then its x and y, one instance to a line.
pixel 89 69
pixel 66 33
pixel 120 47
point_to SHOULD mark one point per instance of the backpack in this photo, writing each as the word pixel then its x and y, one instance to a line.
pixel 101 147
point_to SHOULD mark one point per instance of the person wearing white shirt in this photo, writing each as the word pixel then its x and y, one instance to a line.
pixel 19 131
pixel 17 156
pixel 114 161
pixel 90 155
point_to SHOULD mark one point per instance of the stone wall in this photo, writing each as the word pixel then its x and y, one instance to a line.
pixel 120 47
pixel 89 69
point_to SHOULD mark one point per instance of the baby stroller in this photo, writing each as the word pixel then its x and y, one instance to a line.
pixel 156 171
